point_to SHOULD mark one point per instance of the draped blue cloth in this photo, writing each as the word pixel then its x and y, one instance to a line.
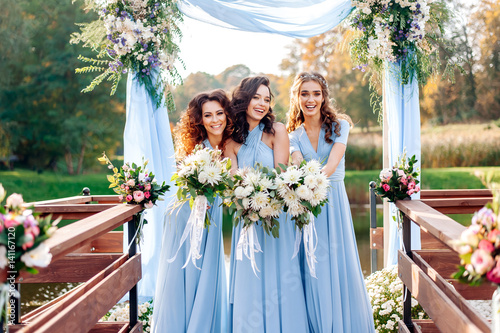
pixel 147 134
pixel 403 118
pixel 293 18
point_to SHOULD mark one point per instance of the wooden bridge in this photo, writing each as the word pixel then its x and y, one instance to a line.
pixel 426 272
pixel 86 251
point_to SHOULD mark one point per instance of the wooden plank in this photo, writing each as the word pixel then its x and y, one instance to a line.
pixel 136 329
pixel 110 327
pixel 402 327
pixel 75 235
pixel 444 262
pixel 82 314
pixel 79 199
pixel 74 267
pixel 425 325
pixel 85 295
pixel 430 220
pixel 112 242
pixel 105 199
pixel 428 241
pixel 482 292
pixel 447 316
pixel 460 193
pixel 376 238
pixel 457 205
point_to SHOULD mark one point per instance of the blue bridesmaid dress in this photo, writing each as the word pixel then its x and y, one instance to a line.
pixel 337 301
pixel 274 300
pixel 190 299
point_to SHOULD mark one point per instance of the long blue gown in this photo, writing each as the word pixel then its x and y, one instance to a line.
pixel 337 301
pixel 274 301
pixel 190 299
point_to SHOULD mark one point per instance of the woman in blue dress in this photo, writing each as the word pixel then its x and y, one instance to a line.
pixel 337 300
pixel 272 300
pixel 194 299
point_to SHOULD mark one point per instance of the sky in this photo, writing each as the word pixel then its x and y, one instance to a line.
pixel 211 49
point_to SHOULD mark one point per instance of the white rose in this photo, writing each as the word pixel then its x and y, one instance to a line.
pixel 203 177
pixel 254 217
pixel 2 193
pixel 39 257
pixel 15 200
pixel 239 192
pixel 3 257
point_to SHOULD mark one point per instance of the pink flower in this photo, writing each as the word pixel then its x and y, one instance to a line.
pixel 10 221
pixel 147 195
pixel 486 245
pixel 494 274
pixel 494 236
pixel 411 185
pixel 417 188
pixel 129 198
pixel 386 187
pixel 127 188
pixel 120 197
pixel 410 192
pixel 30 240
pixel 404 181
pixel 147 187
pixel 385 174
pixel 149 205
pixel 138 196
pixel 482 261
pixel 122 185
pixel 131 182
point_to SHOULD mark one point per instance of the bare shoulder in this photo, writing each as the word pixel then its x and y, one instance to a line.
pixel 279 129
pixel 231 147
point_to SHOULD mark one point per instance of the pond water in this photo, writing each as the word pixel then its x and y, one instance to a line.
pixel 34 295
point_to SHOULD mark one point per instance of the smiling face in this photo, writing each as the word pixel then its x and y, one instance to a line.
pixel 259 104
pixel 311 98
pixel 214 118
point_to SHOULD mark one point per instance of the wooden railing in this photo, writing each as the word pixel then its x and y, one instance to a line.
pixel 82 252
pixel 426 273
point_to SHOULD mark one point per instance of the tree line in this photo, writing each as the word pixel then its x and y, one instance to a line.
pixel 46 123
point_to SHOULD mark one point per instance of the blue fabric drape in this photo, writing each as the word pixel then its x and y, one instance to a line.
pixel 147 134
pixel 403 118
pixel 290 18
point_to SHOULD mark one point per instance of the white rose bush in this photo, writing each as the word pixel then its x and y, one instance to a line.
pixel 121 313
pixel 385 291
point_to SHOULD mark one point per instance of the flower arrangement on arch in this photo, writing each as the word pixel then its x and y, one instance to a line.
pixel 479 248
pixel 203 173
pixel 22 233
pixel 135 185
pixel 303 189
pixel 400 182
pixel 139 36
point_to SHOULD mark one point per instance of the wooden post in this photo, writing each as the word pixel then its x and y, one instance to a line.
pixel 373 223
pixel 406 291
pixel 133 297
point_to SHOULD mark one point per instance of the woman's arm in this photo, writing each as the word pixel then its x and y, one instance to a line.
pixel 334 158
pixel 297 158
pixel 230 152
pixel 281 145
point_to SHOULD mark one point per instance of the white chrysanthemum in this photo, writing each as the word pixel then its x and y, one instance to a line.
pixel 291 199
pixel 203 177
pixel 304 193
pixel 252 178
pixel 281 186
pixel 203 157
pixel 312 167
pixel 292 175
pixel 246 203
pixel 318 196
pixel 265 183
pixel 277 206
pixel 213 173
pixel 39 257
pixel 239 192
pixel 259 200
pixel 321 180
pixel 254 217
pixel 296 210
pixel 248 191
pixel 310 181
pixel 266 211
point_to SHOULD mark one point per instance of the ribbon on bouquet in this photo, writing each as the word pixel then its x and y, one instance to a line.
pixel 310 244
pixel 194 228
pixel 138 233
pixel 248 244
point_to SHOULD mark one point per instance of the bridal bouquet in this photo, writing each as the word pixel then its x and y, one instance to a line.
pixel 303 190
pixel 479 248
pixel 253 200
pixel 400 182
pixel 200 177
pixel 136 35
pixel 136 186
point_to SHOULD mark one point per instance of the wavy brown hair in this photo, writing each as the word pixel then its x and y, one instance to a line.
pixel 329 115
pixel 190 130
pixel 242 95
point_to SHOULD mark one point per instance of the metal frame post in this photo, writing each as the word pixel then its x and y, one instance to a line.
pixel 407 293
pixel 373 224
pixel 133 296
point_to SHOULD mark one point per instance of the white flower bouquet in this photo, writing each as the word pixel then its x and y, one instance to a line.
pixel 385 291
pixel 200 177
pixel 254 199
pixel 139 35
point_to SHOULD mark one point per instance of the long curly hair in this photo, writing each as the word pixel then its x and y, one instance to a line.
pixel 329 115
pixel 190 130
pixel 242 95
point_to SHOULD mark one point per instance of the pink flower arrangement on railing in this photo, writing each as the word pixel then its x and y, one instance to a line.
pixel 479 248
pixel 400 182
